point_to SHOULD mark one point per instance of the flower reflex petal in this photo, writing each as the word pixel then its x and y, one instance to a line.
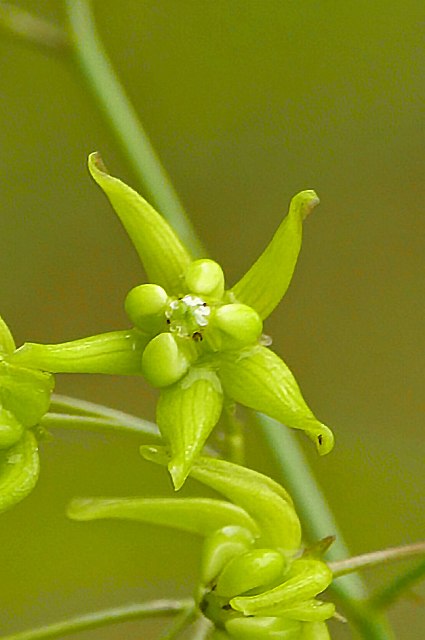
pixel 257 378
pixel 19 469
pixel 266 282
pixel 163 256
pixel 186 414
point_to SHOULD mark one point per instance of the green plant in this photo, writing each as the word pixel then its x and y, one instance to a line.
pixel 204 347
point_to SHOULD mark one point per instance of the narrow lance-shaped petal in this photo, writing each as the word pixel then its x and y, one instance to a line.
pixel 163 256
pixel 186 414
pixel 7 344
pixel 194 515
pixel 257 378
pixel 278 522
pixel 116 353
pixel 19 469
pixel 266 282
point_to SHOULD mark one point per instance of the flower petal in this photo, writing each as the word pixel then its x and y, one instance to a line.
pixel 266 282
pixel 306 579
pixel 7 344
pixel 195 515
pixel 263 628
pixel 25 392
pixel 164 257
pixel 257 378
pixel 19 469
pixel 116 353
pixel 186 414
pixel 260 496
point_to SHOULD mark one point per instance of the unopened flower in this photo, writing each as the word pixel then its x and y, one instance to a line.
pixel 196 340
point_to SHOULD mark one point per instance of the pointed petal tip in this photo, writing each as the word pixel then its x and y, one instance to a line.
pixel 95 163
pixel 324 440
pixel 179 470
pixel 305 202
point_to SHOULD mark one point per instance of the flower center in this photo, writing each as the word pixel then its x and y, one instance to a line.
pixel 187 316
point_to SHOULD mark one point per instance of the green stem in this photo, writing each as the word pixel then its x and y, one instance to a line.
pixel 400 585
pixel 180 623
pixel 155 608
pixel 318 521
pixel 116 107
pixel 89 423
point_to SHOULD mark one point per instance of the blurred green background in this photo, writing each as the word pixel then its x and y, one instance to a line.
pixel 247 102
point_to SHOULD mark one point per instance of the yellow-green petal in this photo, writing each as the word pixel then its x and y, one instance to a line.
pixel 11 429
pixel 25 392
pixel 306 579
pixel 314 631
pixel 266 282
pixel 263 628
pixel 163 256
pixel 186 414
pixel 166 359
pixel 7 344
pixel 116 353
pixel 194 515
pixel 276 517
pixel 250 570
pixel 257 378
pixel 19 469
pixel 221 546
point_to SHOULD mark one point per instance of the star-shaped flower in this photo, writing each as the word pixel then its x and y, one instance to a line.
pixel 195 340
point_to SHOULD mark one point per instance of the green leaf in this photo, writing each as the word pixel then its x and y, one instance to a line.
pixel 186 414
pixel 164 257
pixel 257 378
pixel 266 282
pixel 19 469
pixel 305 580
pixel 25 392
pixel 194 515
pixel 115 353
pixel 7 344
pixel 257 494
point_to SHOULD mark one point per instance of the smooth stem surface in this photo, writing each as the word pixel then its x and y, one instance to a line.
pixel 89 423
pixel 112 100
pixel 155 608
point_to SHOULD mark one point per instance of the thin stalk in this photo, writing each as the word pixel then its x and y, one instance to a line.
pixel 85 622
pixel 121 116
pixel 384 556
pixel 89 423
pixel 179 624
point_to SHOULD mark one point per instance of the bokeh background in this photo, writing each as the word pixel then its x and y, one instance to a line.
pixel 247 102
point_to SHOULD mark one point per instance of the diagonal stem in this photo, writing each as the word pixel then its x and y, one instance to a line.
pixel 85 622
pixel 121 116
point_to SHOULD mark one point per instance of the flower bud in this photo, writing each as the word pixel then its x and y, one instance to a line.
pixel 220 547
pixel 205 278
pixel 166 359
pixel 256 568
pixel 11 429
pixel 263 629
pixel 305 579
pixel 19 468
pixel 25 392
pixel 239 325
pixel 145 306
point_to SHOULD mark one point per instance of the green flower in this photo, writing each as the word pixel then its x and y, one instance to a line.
pixel 24 399
pixel 195 340
pixel 255 581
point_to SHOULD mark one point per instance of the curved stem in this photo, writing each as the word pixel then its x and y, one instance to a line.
pixel 111 98
pixel 89 423
pixel 155 608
